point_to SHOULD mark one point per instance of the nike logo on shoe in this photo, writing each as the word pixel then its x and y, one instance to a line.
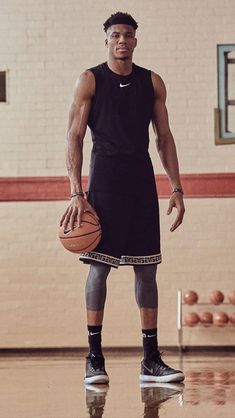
pixel 125 85
pixel 149 370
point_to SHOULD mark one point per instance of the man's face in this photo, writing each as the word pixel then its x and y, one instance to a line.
pixel 121 41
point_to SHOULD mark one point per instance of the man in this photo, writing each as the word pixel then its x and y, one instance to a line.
pixel 117 100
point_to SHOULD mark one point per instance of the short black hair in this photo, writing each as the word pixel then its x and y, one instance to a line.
pixel 120 18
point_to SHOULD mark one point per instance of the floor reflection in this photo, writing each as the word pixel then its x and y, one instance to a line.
pixel 95 399
pixel 217 387
pixel 203 393
pixel 53 387
pixel 153 395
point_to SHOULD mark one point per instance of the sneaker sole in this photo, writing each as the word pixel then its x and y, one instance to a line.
pixel 175 386
pixel 178 377
pixel 99 389
pixel 96 379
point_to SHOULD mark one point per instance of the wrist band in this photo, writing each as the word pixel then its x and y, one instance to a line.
pixel 177 190
pixel 77 194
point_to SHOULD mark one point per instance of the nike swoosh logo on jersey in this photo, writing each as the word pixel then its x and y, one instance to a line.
pixel 125 85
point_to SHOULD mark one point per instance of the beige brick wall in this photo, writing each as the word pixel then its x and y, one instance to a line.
pixel 45 45
pixel 48 44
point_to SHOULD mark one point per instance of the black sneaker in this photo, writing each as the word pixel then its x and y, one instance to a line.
pixel 95 369
pixel 155 370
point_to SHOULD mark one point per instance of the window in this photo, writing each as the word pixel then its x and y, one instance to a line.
pixel 3 86
pixel 225 113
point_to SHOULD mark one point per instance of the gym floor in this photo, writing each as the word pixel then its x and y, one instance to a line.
pixel 47 386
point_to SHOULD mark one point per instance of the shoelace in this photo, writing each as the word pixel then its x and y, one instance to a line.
pixel 157 357
pixel 96 361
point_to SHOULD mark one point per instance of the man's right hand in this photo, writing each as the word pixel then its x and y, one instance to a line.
pixel 74 211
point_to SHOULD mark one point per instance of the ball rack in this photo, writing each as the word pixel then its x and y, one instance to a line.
pixel 181 325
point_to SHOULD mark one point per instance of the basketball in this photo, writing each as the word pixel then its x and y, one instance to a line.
pixel 231 297
pixel 190 297
pixel 232 318
pixel 191 319
pixel 220 318
pixel 206 318
pixel 82 239
pixel 216 297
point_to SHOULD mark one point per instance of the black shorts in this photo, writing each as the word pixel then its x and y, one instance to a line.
pixel 130 228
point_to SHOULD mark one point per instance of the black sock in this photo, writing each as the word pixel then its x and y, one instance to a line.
pixel 94 339
pixel 150 343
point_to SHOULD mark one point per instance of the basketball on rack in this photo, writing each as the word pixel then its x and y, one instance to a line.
pixel 220 318
pixel 231 297
pixel 206 318
pixel 190 297
pixel 216 297
pixel 232 318
pixel 191 319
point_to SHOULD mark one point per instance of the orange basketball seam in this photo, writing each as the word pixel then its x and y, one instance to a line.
pixel 79 236
pixel 91 223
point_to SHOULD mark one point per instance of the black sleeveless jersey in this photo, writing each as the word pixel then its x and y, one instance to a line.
pixel 119 119
pixel 121 112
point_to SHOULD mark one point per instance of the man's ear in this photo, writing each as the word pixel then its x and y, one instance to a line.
pixel 106 42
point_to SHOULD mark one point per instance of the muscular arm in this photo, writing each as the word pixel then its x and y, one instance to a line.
pixel 77 124
pixel 78 117
pixel 166 147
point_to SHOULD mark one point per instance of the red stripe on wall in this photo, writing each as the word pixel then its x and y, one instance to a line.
pixel 201 185
pixel 57 188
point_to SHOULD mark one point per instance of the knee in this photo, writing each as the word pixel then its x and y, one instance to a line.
pixel 99 271
pixel 146 292
pixel 97 277
pixel 146 273
pixel 96 286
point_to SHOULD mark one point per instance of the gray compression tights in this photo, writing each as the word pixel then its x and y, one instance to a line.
pixel 146 293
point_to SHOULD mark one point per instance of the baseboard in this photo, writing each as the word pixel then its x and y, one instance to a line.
pixel 114 351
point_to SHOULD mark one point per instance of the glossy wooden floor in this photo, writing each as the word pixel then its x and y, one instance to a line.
pixel 52 387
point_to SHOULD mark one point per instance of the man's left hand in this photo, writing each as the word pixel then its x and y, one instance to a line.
pixel 176 201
